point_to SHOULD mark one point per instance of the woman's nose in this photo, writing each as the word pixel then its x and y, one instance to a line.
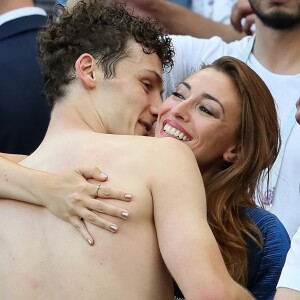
pixel 182 110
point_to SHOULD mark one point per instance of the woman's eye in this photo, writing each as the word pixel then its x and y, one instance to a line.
pixel 178 95
pixel 205 110
pixel 147 85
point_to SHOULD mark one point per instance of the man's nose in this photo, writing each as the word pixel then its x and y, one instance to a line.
pixel 155 106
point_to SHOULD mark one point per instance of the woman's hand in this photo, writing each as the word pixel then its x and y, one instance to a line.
pixel 73 199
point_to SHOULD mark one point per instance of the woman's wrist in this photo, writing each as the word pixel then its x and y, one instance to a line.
pixel 42 187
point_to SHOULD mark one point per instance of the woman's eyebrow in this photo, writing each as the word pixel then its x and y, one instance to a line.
pixel 210 97
pixel 204 95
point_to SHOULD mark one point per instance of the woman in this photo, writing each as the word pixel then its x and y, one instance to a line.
pixel 233 144
pixel 227 116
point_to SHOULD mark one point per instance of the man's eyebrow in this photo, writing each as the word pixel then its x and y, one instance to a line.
pixel 186 85
pixel 204 95
pixel 158 78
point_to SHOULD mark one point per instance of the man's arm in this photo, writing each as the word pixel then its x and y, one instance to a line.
pixel 186 242
pixel 180 20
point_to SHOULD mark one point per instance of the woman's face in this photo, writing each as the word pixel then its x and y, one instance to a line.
pixel 204 113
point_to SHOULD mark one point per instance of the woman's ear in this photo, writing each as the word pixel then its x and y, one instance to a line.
pixel 232 154
pixel 85 68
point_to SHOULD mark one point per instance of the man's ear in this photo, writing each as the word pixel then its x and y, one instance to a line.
pixel 232 154
pixel 85 68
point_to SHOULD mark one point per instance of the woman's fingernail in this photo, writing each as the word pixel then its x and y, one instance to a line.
pixel 90 242
pixel 113 228
pixel 128 196
pixel 124 213
pixel 103 176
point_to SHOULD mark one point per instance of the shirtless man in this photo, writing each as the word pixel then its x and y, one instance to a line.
pixel 89 57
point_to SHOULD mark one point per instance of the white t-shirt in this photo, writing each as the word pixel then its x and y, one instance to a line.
pixel 191 53
pixel 290 275
pixel 216 10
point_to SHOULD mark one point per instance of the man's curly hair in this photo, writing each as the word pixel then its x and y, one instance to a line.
pixel 101 28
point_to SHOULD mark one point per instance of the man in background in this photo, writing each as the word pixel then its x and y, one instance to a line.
pixel 24 113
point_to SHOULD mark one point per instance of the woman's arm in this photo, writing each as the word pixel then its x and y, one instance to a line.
pixel 68 195
pixel 185 239
pixel 13 157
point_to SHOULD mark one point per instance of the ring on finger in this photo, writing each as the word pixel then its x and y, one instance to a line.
pixel 97 190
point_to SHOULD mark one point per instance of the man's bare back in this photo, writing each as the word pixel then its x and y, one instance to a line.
pixel 45 258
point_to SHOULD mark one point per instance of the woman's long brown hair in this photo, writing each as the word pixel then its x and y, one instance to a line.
pixel 231 190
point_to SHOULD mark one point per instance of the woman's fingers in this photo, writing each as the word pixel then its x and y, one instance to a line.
pixel 105 192
pixel 92 173
pixel 105 208
pixel 92 217
pixel 81 227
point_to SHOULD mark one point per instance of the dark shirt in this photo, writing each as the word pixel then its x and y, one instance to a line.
pixel 24 113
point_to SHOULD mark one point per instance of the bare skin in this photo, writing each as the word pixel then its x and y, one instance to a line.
pixel 242 10
pixel 271 44
pixel 180 20
pixel 287 294
pixel 102 262
pixel 167 218
pixel 102 265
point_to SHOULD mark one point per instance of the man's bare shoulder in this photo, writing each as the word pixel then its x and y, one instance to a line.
pixel 162 147
pixel 158 147
pixel 166 155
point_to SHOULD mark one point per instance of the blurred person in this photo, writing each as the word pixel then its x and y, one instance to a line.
pixel 40 256
pixel 47 5
pixel 216 10
pixel 24 112
pixel 184 3
pixel 203 19
pixel 288 287
pixel 242 17
pixel 63 2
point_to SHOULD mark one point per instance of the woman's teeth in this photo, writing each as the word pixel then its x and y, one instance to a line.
pixel 175 132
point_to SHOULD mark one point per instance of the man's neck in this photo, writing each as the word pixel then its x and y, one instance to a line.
pixel 278 50
pixel 69 124
pixel 70 116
